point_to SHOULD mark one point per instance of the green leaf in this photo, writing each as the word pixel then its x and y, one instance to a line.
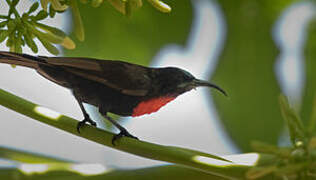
pixel 53 38
pixel 11 26
pixel 3 23
pixel 295 126
pixel 41 15
pixel 79 29
pixel 9 42
pixel 52 11
pixel 30 42
pixel 3 35
pixel 14 3
pixel 33 8
pixel 46 39
pixel 68 43
pixel 262 147
pixel 161 6
pixel 58 6
pixel 51 29
pixel 44 4
pixel 52 49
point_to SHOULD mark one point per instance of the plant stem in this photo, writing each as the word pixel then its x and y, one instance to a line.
pixel 3 17
pixel 185 157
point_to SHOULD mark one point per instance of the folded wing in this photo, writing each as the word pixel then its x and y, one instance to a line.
pixel 127 78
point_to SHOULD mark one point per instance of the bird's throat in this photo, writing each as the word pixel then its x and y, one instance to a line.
pixel 151 105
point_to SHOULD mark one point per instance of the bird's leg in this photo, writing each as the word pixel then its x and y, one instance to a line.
pixel 123 131
pixel 85 115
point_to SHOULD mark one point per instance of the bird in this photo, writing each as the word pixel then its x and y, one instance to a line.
pixel 114 86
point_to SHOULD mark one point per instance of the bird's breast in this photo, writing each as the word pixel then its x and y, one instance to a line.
pixel 151 105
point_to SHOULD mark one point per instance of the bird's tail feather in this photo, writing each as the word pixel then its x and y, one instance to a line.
pixel 19 59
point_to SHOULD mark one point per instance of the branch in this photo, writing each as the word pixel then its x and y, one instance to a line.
pixel 100 172
pixel 27 157
pixel 189 158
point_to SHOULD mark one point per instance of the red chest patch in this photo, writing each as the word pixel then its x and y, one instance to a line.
pixel 151 105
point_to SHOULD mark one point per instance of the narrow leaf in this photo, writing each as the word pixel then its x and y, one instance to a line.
pixel 11 26
pixel 41 15
pixel 3 35
pixel 52 11
pixel 33 8
pixel 161 6
pixel 52 49
pixel 3 23
pixel 44 4
pixel 270 149
pixel 294 124
pixel 30 42
pixel 79 30
pixel 68 43
pixel 52 38
pixel 58 6
pixel 53 30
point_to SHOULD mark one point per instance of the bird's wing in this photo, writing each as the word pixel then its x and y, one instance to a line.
pixel 129 79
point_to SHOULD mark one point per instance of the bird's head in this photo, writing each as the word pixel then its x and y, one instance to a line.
pixel 177 81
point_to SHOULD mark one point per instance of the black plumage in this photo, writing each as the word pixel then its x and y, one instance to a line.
pixel 113 86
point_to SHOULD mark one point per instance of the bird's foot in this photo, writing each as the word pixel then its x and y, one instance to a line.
pixel 123 133
pixel 83 122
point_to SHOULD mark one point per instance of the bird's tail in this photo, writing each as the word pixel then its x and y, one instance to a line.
pixel 19 59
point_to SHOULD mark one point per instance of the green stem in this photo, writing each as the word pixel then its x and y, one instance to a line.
pixel 27 157
pixel 65 171
pixel 185 157
pixel 3 17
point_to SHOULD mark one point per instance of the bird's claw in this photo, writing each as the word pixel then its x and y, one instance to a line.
pixel 83 122
pixel 123 133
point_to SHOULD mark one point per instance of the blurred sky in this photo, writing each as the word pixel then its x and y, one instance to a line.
pixel 187 122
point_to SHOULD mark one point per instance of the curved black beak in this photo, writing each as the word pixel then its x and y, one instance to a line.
pixel 198 82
